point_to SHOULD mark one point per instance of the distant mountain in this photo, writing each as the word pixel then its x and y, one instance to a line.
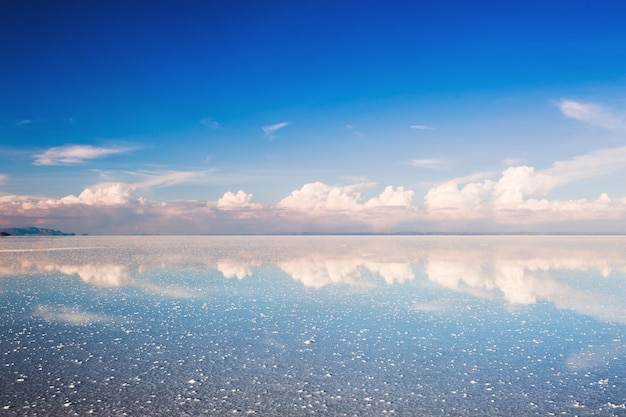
pixel 32 231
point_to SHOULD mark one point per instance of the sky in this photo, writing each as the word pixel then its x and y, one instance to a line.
pixel 248 117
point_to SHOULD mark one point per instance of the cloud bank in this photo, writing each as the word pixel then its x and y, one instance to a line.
pixel 517 199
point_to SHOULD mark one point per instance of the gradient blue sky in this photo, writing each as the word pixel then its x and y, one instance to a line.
pixel 267 117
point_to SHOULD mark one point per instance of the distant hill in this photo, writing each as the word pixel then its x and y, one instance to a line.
pixel 32 231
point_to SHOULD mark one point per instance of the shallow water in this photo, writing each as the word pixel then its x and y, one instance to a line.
pixel 334 326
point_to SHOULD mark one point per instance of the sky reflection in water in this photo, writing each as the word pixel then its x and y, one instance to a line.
pixel 302 325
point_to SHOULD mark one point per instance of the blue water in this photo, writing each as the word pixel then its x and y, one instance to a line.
pixel 333 326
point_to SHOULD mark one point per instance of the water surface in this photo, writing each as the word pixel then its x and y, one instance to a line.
pixel 334 326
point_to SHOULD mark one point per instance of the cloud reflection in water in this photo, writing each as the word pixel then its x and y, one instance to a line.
pixel 518 270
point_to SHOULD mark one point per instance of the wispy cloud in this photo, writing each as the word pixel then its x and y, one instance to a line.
pixel 23 122
pixel 595 164
pixel 512 161
pixel 592 114
pixel 432 163
pixel 3 179
pixel 355 129
pixel 422 127
pixel 210 122
pixel 169 178
pixel 77 154
pixel 271 130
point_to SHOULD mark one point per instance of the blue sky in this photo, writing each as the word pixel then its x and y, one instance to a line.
pixel 250 117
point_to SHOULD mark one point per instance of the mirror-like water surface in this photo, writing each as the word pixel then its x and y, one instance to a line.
pixel 334 326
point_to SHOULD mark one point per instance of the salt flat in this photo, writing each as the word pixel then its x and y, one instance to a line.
pixel 329 325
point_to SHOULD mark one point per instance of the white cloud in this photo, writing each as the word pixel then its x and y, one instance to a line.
pixel 23 122
pixel 432 163
pixel 513 197
pixel 168 178
pixel 236 201
pixel 317 196
pixel 592 114
pixel 447 200
pixel 512 161
pixel 210 122
pixel 3 179
pixel 104 194
pixel 355 129
pixel 390 197
pixel 594 164
pixel 516 183
pixel 77 154
pixel 422 127
pixel 342 208
pixel 518 196
pixel 271 130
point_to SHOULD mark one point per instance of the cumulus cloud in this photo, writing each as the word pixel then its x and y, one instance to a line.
pixel 271 130
pixel 592 114
pixel 105 194
pixel 391 197
pixel 342 208
pixel 317 196
pixel 519 195
pixel 76 154
pixel 450 200
pixel 515 194
pixel 236 201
